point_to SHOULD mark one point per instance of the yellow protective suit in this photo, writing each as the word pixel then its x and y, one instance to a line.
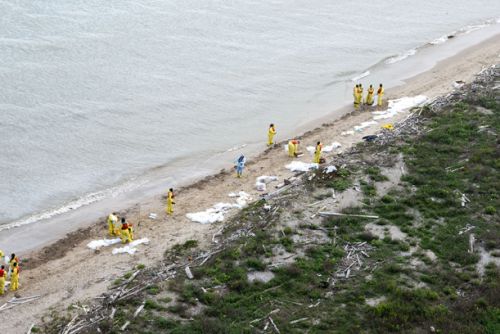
pixel 131 232
pixel 112 222
pixel 369 96
pixel 270 135
pixel 388 126
pixel 170 203
pixel 355 96
pixel 11 263
pixel 293 147
pixel 14 279
pixel 360 95
pixel 2 283
pixel 317 153
pixel 125 235
pixel 380 95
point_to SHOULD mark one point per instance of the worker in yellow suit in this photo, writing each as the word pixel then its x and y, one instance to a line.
pixel 293 148
pixel 3 274
pixel 369 96
pixel 355 96
pixel 270 135
pixel 14 260
pixel 131 232
pixel 170 201
pixel 380 95
pixel 113 224
pixel 14 278
pixel 125 232
pixel 317 152
pixel 360 95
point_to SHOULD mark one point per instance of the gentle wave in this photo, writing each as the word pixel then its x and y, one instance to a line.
pixel 76 204
pixel 361 76
pixel 401 56
pixel 441 39
pixel 465 30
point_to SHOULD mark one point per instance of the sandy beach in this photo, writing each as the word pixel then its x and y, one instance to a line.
pixel 68 271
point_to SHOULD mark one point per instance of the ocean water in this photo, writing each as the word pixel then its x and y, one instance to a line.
pixel 98 96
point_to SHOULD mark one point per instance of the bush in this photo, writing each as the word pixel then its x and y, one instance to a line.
pixel 256 264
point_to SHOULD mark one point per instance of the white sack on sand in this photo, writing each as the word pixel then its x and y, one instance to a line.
pixel 299 166
pixel 217 212
pixel 347 133
pixel 130 248
pixel 364 125
pixel 325 149
pixel 399 105
pixel 260 183
pixel 211 215
pixel 96 244
pixel 330 169
pixel 242 200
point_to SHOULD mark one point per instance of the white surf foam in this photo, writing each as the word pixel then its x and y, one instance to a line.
pixel 76 204
pixel 361 76
pixel 401 56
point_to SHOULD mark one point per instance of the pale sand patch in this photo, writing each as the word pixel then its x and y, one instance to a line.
pixel 375 301
pixel 485 258
pixel 382 231
pixel 430 254
pixel 260 276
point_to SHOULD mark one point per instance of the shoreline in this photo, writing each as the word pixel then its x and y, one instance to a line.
pixel 147 185
pixel 89 215
pixel 69 259
pixel 307 130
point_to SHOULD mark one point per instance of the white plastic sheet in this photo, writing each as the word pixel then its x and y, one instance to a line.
pixel 219 210
pixel 131 247
pixel 299 166
pixel 96 244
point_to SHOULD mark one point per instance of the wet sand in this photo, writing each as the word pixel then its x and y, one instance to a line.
pixel 67 271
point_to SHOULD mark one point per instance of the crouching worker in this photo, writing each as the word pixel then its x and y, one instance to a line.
pixel 14 278
pixel 293 148
pixel 126 233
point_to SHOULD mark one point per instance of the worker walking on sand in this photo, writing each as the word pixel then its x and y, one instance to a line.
pixel 317 152
pixel 369 96
pixel 170 201
pixel 125 232
pixel 240 165
pixel 293 148
pixel 3 274
pixel 355 96
pixel 14 278
pixel 270 134
pixel 380 95
pixel 113 224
